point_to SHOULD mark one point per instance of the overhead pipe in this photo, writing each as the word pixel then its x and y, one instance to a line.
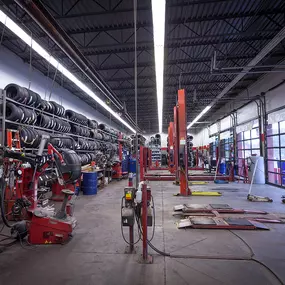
pixel 240 69
pixel 268 48
pixel 36 10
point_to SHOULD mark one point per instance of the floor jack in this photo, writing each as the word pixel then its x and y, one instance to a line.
pixel 181 151
pixel 43 226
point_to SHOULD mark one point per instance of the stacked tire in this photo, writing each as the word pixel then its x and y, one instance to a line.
pixel 190 151
pixel 76 117
pixel 30 137
pixel 23 95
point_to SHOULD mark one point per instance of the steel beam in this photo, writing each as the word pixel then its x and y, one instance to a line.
pixel 183 61
pixel 178 21
pixel 225 38
pixel 130 78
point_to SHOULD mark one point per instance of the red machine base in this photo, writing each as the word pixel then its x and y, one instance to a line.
pixel 57 195
pixel 49 230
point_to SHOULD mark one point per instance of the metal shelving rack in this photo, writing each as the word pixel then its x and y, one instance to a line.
pixel 4 99
pixel 155 153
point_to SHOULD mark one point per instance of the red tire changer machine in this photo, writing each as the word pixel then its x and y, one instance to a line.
pixel 41 226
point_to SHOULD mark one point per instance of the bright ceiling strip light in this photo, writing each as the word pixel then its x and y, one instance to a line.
pixel 199 116
pixel 18 31
pixel 158 19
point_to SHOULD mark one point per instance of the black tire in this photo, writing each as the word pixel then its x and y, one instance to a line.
pixel 43 121
pixel 70 115
pixel 27 116
pixel 13 113
pixel 92 124
pixel 73 164
pixel 17 93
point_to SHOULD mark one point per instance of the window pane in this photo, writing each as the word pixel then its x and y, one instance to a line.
pixel 247 135
pixel 247 153
pixel 282 127
pixel 282 153
pixel 255 152
pixel 276 154
pixel 255 133
pixel 274 178
pixel 270 153
pixel 255 123
pixel 282 140
pixel 240 136
pixel 240 145
pixel 273 141
pixel 247 144
pixel 272 166
pixel 272 129
pixel 255 143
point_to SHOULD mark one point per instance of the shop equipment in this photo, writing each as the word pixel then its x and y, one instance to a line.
pixel 138 207
pixel 255 198
pixel 43 226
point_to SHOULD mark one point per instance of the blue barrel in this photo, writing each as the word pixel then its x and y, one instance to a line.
pixel 223 168
pixel 132 165
pixel 89 183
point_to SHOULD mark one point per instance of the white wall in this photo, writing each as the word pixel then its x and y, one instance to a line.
pixel 201 137
pixel 14 70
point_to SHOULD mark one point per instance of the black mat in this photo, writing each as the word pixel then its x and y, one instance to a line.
pixel 238 222
pixel 202 221
pixel 220 206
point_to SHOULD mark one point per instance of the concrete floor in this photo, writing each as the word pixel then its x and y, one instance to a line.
pixel 96 253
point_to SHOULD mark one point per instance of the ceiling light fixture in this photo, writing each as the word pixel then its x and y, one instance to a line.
pixel 18 31
pixel 199 116
pixel 158 19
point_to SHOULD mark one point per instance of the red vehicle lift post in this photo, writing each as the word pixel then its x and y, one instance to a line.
pixel 171 163
pixel 141 163
pixel 181 149
pixel 175 144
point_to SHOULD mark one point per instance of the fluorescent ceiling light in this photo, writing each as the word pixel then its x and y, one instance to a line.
pixel 18 31
pixel 158 19
pixel 199 116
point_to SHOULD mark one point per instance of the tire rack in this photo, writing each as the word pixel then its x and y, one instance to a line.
pixel 4 99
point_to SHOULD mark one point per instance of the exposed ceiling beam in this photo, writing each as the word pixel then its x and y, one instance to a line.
pixel 225 38
pixel 261 55
pixel 129 10
pixel 199 19
pixel 175 85
pixel 183 61
pixel 130 78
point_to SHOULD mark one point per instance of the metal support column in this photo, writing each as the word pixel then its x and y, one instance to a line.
pixel 182 145
pixel 141 163
pixel 175 145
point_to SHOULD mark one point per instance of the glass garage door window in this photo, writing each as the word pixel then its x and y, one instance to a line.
pixel 276 153
pixel 248 144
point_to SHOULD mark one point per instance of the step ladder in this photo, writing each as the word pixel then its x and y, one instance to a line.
pixel 13 139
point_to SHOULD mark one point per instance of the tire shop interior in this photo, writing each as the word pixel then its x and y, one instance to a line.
pixel 142 142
